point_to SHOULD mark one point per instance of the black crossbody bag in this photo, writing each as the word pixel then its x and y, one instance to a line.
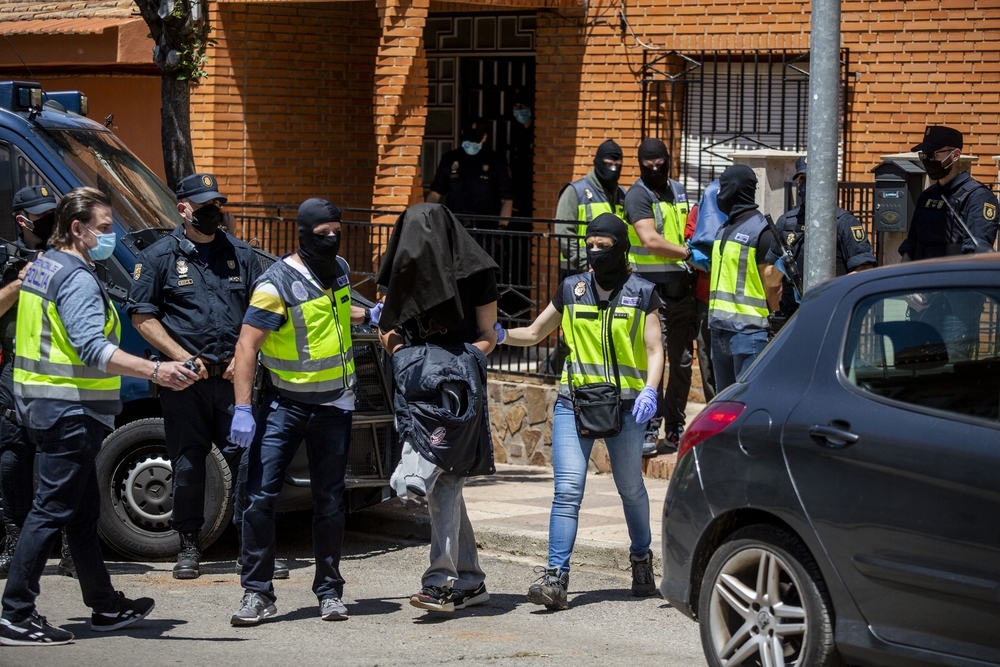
pixel 598 406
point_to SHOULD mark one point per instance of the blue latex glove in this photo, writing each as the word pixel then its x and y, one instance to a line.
pixel 645 405
pixel 243 427
pixel 501 334
pixel 375 313
pixel 699 259
pixel 780 265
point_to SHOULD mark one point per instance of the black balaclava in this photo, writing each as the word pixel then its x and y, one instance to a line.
pixel 608 176
pixel 611 265
pixel 206 220
pixel 319 253
pixel 652 149
pixel 737 187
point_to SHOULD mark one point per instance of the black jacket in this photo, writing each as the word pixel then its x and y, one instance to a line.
pixel 441 407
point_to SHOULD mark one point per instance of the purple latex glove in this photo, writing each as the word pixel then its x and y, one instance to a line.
pixel 243 427
pixel 501 334
pixel 375 314
pixel 645 405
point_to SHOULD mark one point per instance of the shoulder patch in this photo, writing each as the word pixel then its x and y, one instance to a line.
pixel 858 233
pixel 579 289
pixel 989 212
pixel 343 280
pixel 632 301
pixel 299 290
pixel 231 263
pixel 742 238
pixel 137 271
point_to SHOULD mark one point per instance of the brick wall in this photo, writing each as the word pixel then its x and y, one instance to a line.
pixel 286 112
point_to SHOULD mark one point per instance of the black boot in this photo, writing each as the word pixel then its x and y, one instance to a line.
pixel 188 558
pixel 9 544
pixel 67 567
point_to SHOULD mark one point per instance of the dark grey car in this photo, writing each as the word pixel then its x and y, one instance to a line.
pixel 841 502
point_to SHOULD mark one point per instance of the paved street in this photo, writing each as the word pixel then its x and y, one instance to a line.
pixel 190 625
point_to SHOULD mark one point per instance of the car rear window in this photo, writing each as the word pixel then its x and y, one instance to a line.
pixel 936 349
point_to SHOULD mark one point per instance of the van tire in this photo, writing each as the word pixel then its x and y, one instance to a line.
pixel 134 477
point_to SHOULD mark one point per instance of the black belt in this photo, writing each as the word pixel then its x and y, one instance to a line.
pixel 216 370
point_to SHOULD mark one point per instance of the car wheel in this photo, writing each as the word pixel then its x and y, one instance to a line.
pixel 135 480
pixel 763 603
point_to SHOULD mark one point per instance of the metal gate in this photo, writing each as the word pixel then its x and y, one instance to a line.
pixel 706 106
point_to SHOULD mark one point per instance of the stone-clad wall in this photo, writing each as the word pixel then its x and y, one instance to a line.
pixel 521 421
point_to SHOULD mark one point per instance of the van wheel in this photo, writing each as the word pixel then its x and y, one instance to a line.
pixel 135 481
pixel 763 602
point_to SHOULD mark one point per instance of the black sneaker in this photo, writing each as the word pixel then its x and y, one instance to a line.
pixel 126 612
pixel 550 589
pixel 649 444
pixel 433 598
pixel 469 598
pixel 32 631
pixel 643 582
pixel 254 608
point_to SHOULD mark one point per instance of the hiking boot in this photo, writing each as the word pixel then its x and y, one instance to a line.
pixel 332 609
pixel 280 568
pixel 125 612
pixel 550 589
pixel 469 598
pixel 433 598
pixel 643 582
pixel 254 608
pixel 32 631
pixel 66 567
pixel 188 558
pixel 9 544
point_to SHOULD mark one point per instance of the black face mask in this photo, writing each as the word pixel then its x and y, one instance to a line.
pixel 608 176
pixel 319 253
pixel 936 169
pixel 206 219
pixel 42 228
pixel 654 149
pixel 737 187
pixel 610 266
pixel 800 189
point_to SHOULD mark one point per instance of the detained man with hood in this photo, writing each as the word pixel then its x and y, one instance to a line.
pixel 306 296
pixel 739 301
pixel 608 313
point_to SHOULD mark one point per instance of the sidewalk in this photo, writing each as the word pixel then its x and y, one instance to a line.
pixel 510 513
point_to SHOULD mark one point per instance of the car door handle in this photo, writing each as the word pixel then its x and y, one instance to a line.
pixel 833 437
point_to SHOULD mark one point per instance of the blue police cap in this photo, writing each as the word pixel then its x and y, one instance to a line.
pixel 937 137
pixel 800 167
pixel 34 200
pixel 199 188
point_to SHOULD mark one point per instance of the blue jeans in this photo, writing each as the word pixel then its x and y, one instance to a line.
pixel 732 353
pixel 67 497
pixel 570 455
pixel 282 426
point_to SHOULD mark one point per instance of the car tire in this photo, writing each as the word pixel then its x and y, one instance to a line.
pixel 742 624
pixel 134 477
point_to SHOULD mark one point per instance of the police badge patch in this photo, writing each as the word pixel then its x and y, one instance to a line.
pixel 858 233
pixel 137 271
pixel 299 290
pixel 231 264
pixel 182 267
pixel 989 212
pixel 790 239
pixel 580 289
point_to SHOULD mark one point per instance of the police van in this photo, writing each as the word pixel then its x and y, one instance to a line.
pixel 47 140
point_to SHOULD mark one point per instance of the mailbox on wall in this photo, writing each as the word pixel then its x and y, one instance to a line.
pixel 898 183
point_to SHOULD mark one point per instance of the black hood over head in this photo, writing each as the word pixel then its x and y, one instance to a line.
pixel 653 149
pixel 608 176
pixel 737 190
pixel 428 253
pixel 611 264
pixel 319 253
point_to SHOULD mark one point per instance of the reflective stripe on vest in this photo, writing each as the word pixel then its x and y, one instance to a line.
pixel 584 327
pixel 591 202
pixel 670 219
pixel 46 364
pixel 310 357
pixel 737 300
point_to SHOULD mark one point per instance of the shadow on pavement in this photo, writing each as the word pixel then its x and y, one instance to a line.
pixel 497 605
pixel 148 628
